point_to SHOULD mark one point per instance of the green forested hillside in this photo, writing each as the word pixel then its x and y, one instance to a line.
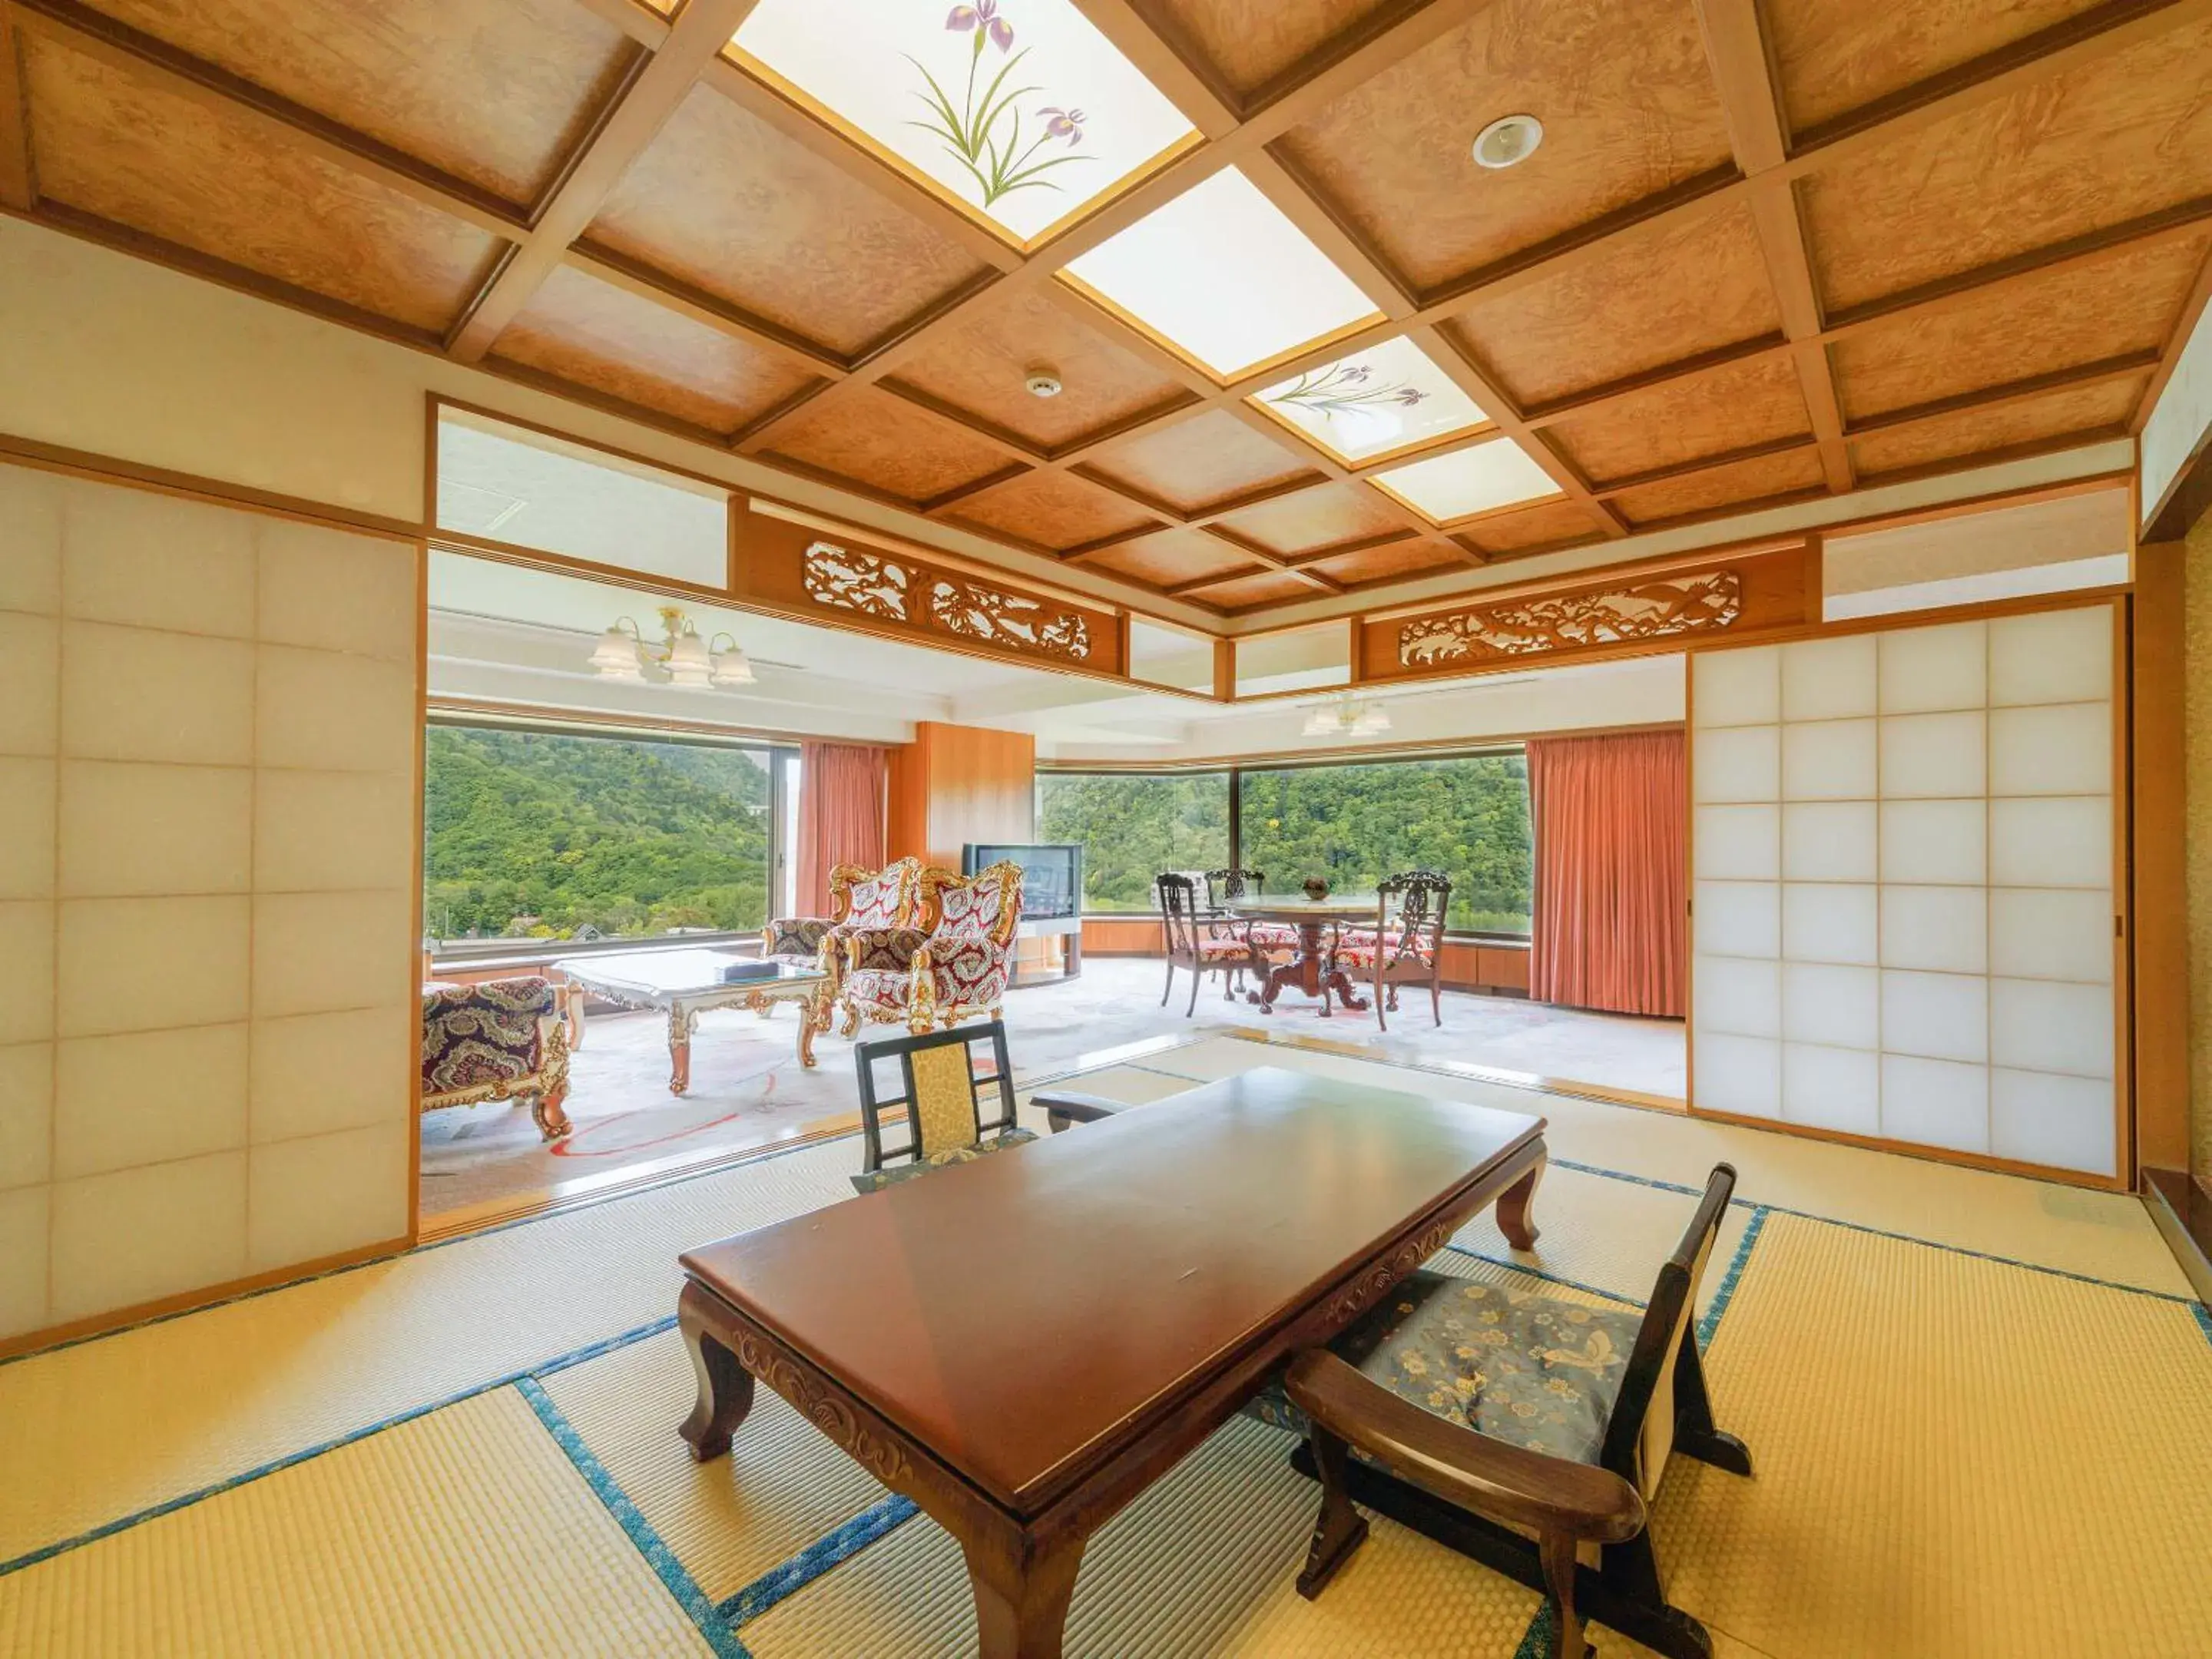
pixel 1350 825
pixel 629 837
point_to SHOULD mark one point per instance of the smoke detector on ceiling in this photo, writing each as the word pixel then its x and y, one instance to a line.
pixel 1043 383
pixel 1508 140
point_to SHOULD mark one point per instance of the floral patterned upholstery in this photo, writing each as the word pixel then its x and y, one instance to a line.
pixel 795 939
pixel 874 1181
pixel 958 967
pixel 1529 1370
pixel 501 1040
pixel 1360 953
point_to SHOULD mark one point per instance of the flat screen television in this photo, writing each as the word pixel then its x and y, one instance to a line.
pixel 1052 874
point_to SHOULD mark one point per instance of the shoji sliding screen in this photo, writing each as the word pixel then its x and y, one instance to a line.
pixel 1903 922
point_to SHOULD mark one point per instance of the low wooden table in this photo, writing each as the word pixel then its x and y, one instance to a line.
pixel 1308 971
pixel 1022 1344
pixel 682 982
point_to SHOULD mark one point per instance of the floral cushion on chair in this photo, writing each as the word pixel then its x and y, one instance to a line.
pixel 879 994
pixel 1529 1370
pixel 1363 955
pixel 874 1181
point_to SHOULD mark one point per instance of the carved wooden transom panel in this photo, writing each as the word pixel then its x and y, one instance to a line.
pixel 1647 610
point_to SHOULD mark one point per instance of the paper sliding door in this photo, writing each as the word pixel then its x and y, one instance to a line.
pixel 1904 925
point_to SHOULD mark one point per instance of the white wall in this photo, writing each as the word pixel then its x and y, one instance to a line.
pixel 2180 419
pixel 208 805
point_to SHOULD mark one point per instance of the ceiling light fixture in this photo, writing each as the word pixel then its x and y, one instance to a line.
pixel 682 657
pixel 1508 140
pixel 1043 383
pixel 1347 716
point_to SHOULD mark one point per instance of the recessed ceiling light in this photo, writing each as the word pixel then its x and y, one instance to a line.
pixel 1043 383
pixel 1508 140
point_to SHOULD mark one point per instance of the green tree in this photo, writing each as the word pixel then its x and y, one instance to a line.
pixel 526 833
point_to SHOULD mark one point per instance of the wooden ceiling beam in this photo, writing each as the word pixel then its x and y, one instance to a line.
pixel 19 187
pixel 646 282
pixel 641 22
pixel 1742 65
pixel 632 119
pixel 138 54
pixel 2177 340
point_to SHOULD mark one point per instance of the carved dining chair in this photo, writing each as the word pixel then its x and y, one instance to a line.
pixel 1406 946
pixel 1479 1415
pixel 1224 887
pixel 1191 943
pixel 944 1093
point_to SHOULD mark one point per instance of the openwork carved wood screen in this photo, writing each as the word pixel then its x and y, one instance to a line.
pixel 1762 592
pixel 834 578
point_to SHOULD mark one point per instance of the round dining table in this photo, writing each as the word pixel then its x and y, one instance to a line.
pixel 1308 971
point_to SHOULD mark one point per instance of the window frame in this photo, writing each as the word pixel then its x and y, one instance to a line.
pixel 1235 770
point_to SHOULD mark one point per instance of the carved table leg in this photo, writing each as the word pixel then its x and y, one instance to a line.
pixel 813 1015
pixel 1513 1205
pixel 1342 983
pixel 726 1388
pixel 1022 1614
pixel 679 1049
pixel 572 1008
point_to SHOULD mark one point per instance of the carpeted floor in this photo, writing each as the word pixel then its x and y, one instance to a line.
pixel 1980 1410
pixel 748 1088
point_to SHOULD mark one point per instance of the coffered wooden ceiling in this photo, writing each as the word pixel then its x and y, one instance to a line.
pixel 1764 252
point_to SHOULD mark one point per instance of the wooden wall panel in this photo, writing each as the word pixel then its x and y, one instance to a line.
pixel 981 366
pixel 957 784
pixel 1053 509
pixel 726 203
pixel 1194 463
pixel 2125 301
pixel 2119 137
pixel 1249 42
pixel 1692 287
pixel 498 92
pixel 1835 56
pixel 2160 899
pixel 1735 407
pixel 2082 410
pixel 210 178
pixel 609 339
pixel 1629 109
pixel 1118 936
pixel 887 444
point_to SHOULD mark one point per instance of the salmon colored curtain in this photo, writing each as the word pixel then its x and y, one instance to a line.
pixel 1610 840
pixel 842 791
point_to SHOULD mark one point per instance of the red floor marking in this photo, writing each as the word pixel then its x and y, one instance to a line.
pixel 567 1148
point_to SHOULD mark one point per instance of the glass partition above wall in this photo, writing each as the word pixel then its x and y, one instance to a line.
pixel 1353 825
pixel 508 483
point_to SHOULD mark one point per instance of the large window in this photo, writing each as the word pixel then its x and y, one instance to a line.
pixel 532 835
pixel 1132 827
pixel 1352 824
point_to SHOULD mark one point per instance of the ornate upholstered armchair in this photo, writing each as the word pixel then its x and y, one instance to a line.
pixel 501 1040
pixel 953 967
pixel 1486 1417
pixel 859 897
pixel 1406 946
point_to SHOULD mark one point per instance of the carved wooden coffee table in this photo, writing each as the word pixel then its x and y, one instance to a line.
pixel 1023 1344
pixel 681 983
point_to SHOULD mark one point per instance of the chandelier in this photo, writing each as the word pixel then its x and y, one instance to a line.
pixel 681 657
pixel 1347 716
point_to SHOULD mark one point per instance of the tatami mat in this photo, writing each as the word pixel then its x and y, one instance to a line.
pixel 107 1429
pixel 1953 1457
pixel 466 1531
pixel 783 1486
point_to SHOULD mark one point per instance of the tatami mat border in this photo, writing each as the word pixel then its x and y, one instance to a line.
pixel 817 1557
pixel 678 1583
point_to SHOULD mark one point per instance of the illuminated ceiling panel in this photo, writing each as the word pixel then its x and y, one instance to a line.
pixel 1387 397
pixel 1221 275
pixel 1019 108
pixel 1446 487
